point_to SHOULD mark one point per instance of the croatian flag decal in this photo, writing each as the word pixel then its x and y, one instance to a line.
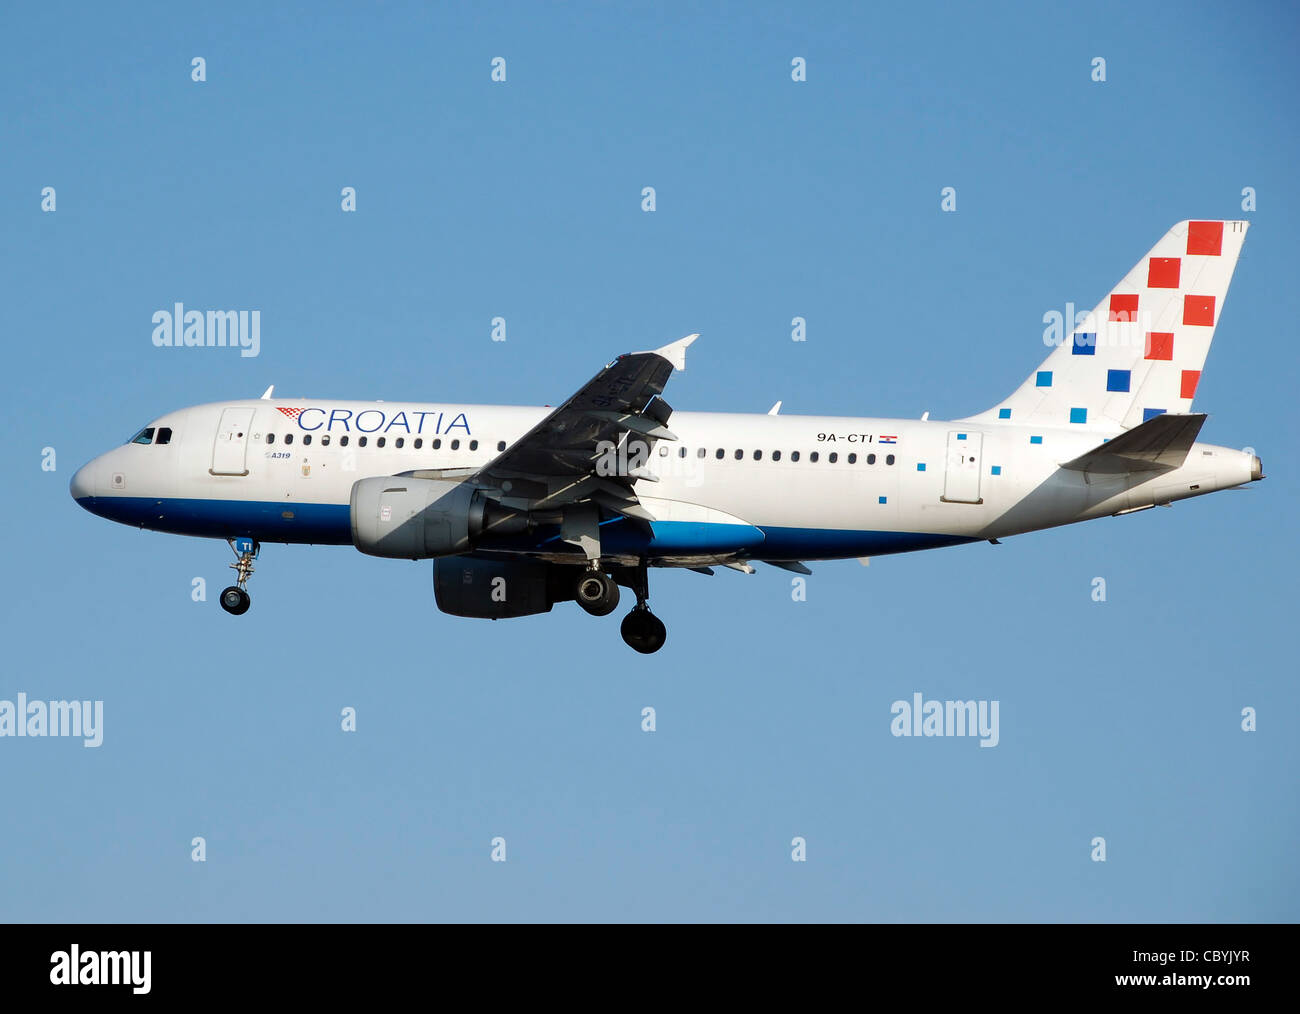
pixel 886 440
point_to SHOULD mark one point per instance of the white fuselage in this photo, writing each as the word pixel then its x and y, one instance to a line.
pixel 818 487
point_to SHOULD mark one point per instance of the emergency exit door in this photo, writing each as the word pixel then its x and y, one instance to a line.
pixel 961 480
pixel 230 450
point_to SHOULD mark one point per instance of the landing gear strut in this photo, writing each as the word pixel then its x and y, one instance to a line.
pixel 235 599
pixel 643 630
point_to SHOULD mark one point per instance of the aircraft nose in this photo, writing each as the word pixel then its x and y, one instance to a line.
pixel 82 486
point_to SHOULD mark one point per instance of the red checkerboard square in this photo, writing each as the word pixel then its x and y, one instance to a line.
pixel 1198 310
pixel 1163 273
pixel 1160 345
pixel 1205 238
pixel 1124 307
pixel 1190 379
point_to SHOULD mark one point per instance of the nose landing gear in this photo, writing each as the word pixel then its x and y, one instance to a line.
pixel 235 599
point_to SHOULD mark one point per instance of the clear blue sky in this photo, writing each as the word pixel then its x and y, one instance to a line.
pixel 522 200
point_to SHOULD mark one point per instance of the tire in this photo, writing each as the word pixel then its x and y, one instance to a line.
pixel 643 631
pixel 597 593
pixel 235 600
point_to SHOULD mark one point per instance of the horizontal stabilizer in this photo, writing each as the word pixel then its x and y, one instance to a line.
pixel 1157 445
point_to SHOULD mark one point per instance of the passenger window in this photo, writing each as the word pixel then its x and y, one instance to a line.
pixel 871 459
pixel 739 454
pixel 776 455
pixel 400 441
pixel 164 436
pixel 681 452
pixel 145 436
pixel 436 444
pixel 270 438
pixel 419 442
pixel 794 455
pixel 758 455
pixel 832 457
pixel 700 453
pixel 812 455
pixel 343 441
pixel 473 445
pixel 853 459
pixel 306 439
pixel 380 441
pixel 288 438
pixel 455 445
pixel 720 454
pixel 361 441
pixel 663 450
pixel 501 445
pixel 325 440
pixel 889 459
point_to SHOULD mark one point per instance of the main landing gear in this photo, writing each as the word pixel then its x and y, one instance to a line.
pixel 597 593
pixel 643 630
pixel 235 599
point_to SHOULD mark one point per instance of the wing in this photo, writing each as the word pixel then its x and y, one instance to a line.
pixel 593 448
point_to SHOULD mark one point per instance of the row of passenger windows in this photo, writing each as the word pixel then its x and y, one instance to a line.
pixel 739 455
pixel 417 443
pixel 146 436
pixel 436 444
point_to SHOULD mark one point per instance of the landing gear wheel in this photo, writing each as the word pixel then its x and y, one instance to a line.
pixel 644 631
pixel 597 593
pixel 235 600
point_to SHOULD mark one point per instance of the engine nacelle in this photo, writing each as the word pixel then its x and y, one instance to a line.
pixel 414 519
pixel 498 589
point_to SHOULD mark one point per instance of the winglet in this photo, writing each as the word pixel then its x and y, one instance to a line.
pixel 675 352
pixel 267 393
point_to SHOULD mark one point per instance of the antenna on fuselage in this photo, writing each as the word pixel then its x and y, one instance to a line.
pixel 266 395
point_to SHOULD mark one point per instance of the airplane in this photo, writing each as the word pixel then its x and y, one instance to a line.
pixel 521 508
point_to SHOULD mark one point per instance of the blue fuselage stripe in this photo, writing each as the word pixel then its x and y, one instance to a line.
pixel 331 524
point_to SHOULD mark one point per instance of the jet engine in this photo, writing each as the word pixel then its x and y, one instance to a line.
pixel 414 519
pixel 411 518
pixel 498 589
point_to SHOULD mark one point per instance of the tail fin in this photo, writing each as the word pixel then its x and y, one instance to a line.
pixel 1140 352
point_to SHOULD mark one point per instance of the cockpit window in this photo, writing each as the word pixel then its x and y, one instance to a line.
pixel 164 435
pixel 145 436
